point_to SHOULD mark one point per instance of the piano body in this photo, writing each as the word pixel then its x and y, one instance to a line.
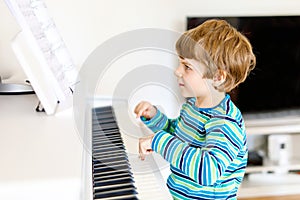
pixel 111 167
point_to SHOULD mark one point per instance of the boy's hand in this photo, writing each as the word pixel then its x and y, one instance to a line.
pixel 145 146
pixel 145 109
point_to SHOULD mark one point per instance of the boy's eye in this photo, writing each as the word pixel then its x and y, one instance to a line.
pixel 187 67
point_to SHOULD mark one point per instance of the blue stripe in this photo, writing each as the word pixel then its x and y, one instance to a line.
pixel 231 196
pixel 229 139
pixel 232 149
pixel 182 157
pixel 201 168
pixel 235 170
pixel 228 107
pixel 167 146
pixel 180 174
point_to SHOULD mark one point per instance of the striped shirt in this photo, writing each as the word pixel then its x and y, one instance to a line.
pixel 206 149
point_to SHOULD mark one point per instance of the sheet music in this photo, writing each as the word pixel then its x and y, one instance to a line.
pixel 33 15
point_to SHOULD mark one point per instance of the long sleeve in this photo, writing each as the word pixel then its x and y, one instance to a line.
pixel 206 148
pixel 161 122
pixel 205 164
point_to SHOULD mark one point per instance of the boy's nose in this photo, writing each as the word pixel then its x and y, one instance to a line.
pixel 178 72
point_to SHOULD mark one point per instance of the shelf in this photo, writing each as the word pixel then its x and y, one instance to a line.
pixel 272 179
pixel 257 185
pixel 273 126
pixel 270 166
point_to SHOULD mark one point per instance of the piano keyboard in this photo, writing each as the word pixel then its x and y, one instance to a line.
pixel 117 173
pixel 112 176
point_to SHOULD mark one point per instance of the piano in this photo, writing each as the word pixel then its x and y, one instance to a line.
pixel 111 167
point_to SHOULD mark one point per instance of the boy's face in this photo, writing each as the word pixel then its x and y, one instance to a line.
pixel 189 75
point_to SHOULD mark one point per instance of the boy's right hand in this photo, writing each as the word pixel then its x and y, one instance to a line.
pixel 145 109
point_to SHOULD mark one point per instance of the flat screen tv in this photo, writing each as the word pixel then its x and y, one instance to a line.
pixel 274 85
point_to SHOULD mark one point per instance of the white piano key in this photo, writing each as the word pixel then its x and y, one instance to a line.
pixel 144 177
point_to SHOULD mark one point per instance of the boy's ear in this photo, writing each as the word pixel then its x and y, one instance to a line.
pixel 219 78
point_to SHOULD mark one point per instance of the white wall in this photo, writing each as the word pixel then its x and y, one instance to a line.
pixel 86 24
pixel 8 28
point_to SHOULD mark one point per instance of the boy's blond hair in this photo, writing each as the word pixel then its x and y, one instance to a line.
pixel 220 47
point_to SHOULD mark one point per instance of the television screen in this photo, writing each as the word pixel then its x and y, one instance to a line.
pixel 274 85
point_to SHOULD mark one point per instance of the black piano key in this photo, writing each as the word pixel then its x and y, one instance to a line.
pixel 111 169
pixel 102 189
pixel 112 146
pixel 103 130
pixel 112 181
pixel 115 193
pixel 103 108
pixel 105 148
pixel 99 129
pixel 110 159
pixel 106 133
pixel 104 118
pixel 100 114
pixel 111 173
pixel 102 138
pixel 100 164
pixel 118 178
pixel 104 141
pixel 101 176
pixel 112 176
pixel 108 153
pixel 107 188
pixel 107 167
pixel 105 126
pixel 99 156
pixel 128 198
pixel 107 144
pixel 103 173
pixel 98 125
pixel 107 138
pixel 125 197
pixel 103 163
pixel 109 150
pixel 116 169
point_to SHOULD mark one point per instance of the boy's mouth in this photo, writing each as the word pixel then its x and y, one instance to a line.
pixel 181 84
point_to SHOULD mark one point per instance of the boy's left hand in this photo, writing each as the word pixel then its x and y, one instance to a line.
pixel 145 146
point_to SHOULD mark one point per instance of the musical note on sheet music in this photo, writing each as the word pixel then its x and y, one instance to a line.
pixel 35 14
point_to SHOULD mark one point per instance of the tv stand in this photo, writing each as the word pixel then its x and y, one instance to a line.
pixel 272 178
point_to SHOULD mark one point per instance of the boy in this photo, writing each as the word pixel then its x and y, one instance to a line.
pixel 206 145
